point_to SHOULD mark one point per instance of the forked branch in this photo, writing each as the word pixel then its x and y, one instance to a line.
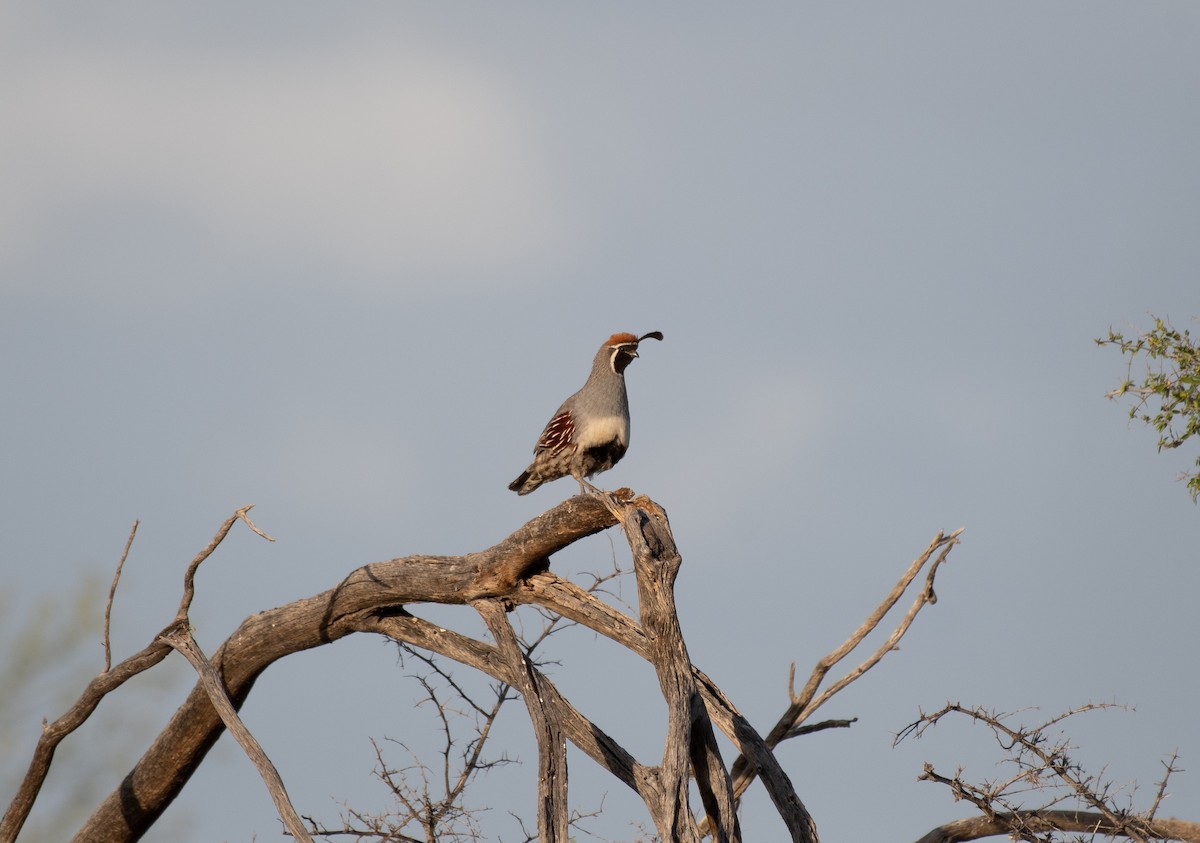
pixel 179 637
pixel 805 703
pixel 104 684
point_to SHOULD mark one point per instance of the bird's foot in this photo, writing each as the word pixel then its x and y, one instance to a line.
pixel 586 488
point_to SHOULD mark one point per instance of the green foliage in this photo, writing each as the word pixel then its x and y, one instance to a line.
pixel 1168 396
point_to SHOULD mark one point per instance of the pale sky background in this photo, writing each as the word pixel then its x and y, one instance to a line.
pixel 342 261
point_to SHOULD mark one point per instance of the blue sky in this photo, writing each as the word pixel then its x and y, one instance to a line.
pixel 343 262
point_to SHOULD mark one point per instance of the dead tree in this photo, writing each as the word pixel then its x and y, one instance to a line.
pixel 380 598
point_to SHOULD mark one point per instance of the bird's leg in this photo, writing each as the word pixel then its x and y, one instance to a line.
pixel 586 487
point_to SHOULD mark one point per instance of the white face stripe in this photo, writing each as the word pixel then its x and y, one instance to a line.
pixel 616 349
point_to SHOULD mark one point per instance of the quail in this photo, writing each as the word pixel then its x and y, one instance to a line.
pixel 589 433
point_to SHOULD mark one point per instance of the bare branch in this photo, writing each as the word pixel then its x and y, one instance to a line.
pixel 940 541
pixel 246 520
pixel 180 638
pixel 819 727
pixel 374 599
pixel 1170 768
pixel 112 593
pixel 473 759
pixel 1043 766
pixel 54 733
pixel 112 678
pixel 262 639
pixel 446 677
pixel 1038 758
pixel 552 748
pixel 803 705
pixel 567 599
pixel 189 576
pixel 691 744
pixel 589 737
pixel 447 808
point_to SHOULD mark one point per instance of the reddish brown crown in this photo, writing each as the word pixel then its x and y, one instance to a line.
pixel 621 339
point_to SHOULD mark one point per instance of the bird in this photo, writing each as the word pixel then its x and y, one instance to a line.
pixel 589 432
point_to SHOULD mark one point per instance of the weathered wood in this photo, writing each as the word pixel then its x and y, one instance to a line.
pixel 262 639
pixel 180 638
pixel 373 599
pixel 552 809
pixel 569 600
pixel 691 745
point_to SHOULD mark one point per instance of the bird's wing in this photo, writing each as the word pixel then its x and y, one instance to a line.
pixel 557 435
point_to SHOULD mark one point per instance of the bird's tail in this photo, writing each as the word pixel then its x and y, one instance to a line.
pixel 525 484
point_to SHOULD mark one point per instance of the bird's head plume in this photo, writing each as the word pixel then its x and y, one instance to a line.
pixel 624 348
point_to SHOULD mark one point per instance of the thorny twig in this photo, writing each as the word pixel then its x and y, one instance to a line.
pixel 1044 766
pixel 1170 768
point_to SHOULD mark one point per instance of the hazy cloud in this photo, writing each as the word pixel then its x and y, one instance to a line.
pixel 372 159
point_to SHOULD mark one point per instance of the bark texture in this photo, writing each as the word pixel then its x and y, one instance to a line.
pixel 373 599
